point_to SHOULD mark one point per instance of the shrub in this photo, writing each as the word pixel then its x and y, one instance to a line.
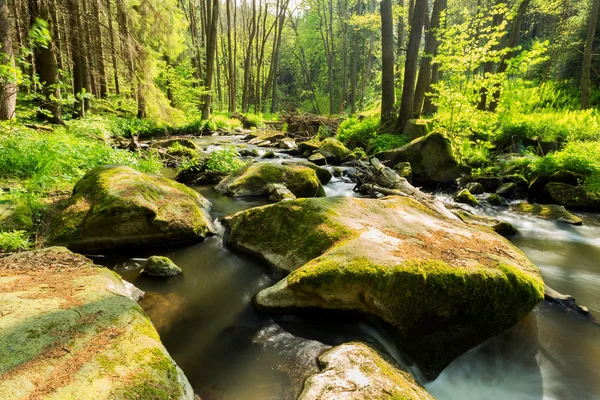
pixel 253 121
pixel 579 157
pixel 224 160
pixel 358 133
pixel 324 132
pixel 386 141
pixel 15 241
pixel 225 123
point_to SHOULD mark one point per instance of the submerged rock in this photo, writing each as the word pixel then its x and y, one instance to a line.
pixel 254 178
pixel 423 273
pixel 334 151
pixel 118 207
pixel 432 159
pixel 161 267
pixel 500 227
pixel 464 196
pixel 69 330
pixel 359 372
pixel 550 212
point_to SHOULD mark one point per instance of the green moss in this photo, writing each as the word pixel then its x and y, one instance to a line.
pixel 550 212
pixel 334 150
pixel 464 196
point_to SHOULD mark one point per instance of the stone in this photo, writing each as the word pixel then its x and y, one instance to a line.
pixel 161 267
pixel 356 371
pixel 310 147
pixel 416 128
pixel 269 154
pixel 551 212
pixel 475 188
pixel 490 184
pixel 431 157
pixel 539 182
pixel 73 332
pixel 507 189
pixel 322 173
pixel 421 272
pixel 254 178
pixel 278 192
pixel 575 197
pixel 334 151
pixel 495 200
pixel 115 207
pixel 404 170
pixel 288 144
pixel 503 228
pixel 317 159
pixel 248 153
pixel 187 143
pixel 464 196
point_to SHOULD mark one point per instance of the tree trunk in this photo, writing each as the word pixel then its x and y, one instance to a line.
pixel 46 67
pixel 87 55
pixel 431 45
pixel 587 56
pixel 248 60
pixel 99 49
pixel 113 49
pixel 211 49
pixel 230 64
pixel 410 66
pixel 400 42
pixel 387 64
pixel 77 58
pixel 8 87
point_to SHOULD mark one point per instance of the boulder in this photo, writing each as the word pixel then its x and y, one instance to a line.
pixel 432 159
pixel 288 144
pixel 507 189
pixel 334 151
pixel 318 159
pixel 475 188
pixel 161 267
pixel 503 228
pixel 575 197
pixel 278 192
pixel 322 173
pixel 356 371
pixel 69 330
pixel 310 147
pixel 253 179
pixel 539 182
pixel 116 207
pixel 464 196
pixel 490 184
pixel 495 200
pixel 551 212
pixel 444 285
pixel 416 128
pixel 248 153
pixel 269 154
pixel 404 170
pixel 187 143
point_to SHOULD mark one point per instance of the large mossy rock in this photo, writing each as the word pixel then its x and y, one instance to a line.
pixel 575 197
pixel 334 151
pixel 254 180
pixel 70 330
pixel 432 159
pixel 322 173
pixel 356 371
pixel 394 258
pixel 551 212
pixel 116 207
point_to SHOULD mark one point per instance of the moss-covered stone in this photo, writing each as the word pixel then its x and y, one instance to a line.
pixel 404 170
pixel 73 332
pixel 317 159
pixel 507 189
pixel 393 258
pixel 161 267
pixel 322 173
pixel 503 228
pixel 334 151
pixel 550 212
pixel 495 199
pixel 370 373
pixel 475 188
pixel 464 196
pixel 432 159
pixel 117 206
pixel 575 197
pixel 254 178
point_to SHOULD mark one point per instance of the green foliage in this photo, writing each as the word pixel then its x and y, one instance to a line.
pixel 15 241
pixel 253 121
pixel 39 34
pixel 324 132
pixel 223 122
pixel 579 157
pixel 177 150
pixel 224 160
pixel 355 132
pixel 387 141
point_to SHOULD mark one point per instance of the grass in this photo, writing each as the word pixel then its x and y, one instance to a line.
pixel 15 241
pixel 224 160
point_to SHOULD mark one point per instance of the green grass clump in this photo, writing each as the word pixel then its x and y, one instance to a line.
pixel 224 160
pixel 177 150
pixel 223 122
pixel 253 121
pixel 387 141
pixel 15 241
pixel 358 133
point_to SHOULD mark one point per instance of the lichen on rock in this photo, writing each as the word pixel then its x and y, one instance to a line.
pixel 159 266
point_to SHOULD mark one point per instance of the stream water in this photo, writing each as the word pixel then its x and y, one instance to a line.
pixel 229 351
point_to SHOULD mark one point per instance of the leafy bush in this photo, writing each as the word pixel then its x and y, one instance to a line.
pixel 358 133
pixel 387 141
pixel 222 122
pixel 324 132
pixel 579 157
pixel 15 241
pixel 224 160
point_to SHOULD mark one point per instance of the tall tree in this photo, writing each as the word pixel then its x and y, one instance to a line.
pixel 77 56
pixel 410 66
pixel 587 56
pixel 211 50
pixel 45 62
pixel 387 63
pixel 8 80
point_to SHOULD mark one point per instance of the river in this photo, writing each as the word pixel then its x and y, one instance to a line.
pixel 229 351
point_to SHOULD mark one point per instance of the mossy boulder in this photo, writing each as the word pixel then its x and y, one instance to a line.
pixel 162 267
pixel 490 183
pixel 495 200
pixel 187 143
pixel 323 174
pixel 503 228
pixel 475 188
pixel 464 196
pixel 551 212
pixel 416 128
pixel 432 159
pixel 356 371
pixel 254 179
pixel 575 197
pixel 421 272
pixel 404 170
pixel 70 330
pixel 116 207
pixel 334 151
pixel 317 159
pixel 538 183
pixel 507 189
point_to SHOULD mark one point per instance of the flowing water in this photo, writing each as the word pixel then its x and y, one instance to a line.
pixel 229 351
